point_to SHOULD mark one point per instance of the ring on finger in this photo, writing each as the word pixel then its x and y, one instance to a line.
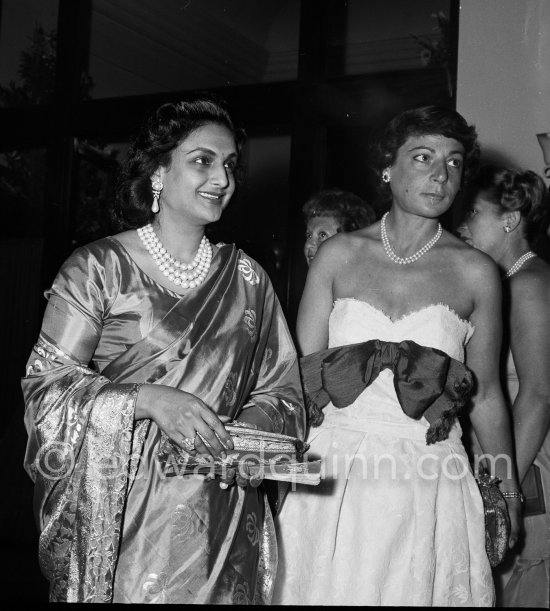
pixel 188 443
pixel 224 486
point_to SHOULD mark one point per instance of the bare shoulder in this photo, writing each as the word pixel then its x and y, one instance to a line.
pixel 349 243
pixel 370 233
pixel 472 265
pixel 336 259
pixel 532 283
pixel 341 248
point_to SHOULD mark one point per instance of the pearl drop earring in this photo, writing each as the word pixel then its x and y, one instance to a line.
pixel 157 187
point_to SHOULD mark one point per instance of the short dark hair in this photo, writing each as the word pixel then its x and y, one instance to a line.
pixel 513 190
pixel 349 210
pixel 424 121
pixel 154 145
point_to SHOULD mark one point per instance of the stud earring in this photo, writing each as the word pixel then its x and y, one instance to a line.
pixel 507 228
pixel 157 187
pixel 386 176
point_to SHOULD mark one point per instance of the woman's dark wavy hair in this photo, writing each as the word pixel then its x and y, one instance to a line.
pixel 153 146
pixel 349 210
pixel 514 190
pixel 424 121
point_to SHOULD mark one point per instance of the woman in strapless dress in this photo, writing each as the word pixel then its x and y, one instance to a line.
pixel 388 313
pixel 510 210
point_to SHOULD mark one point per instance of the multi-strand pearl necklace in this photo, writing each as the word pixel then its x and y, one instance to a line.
pixel 525 257
pixel 186 275
pixel 414 257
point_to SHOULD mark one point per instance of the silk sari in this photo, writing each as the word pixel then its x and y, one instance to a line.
pixel 113 527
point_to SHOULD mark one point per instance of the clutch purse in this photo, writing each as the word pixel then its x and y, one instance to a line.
pixel 533 492
pixel 274 456
pixel 497 520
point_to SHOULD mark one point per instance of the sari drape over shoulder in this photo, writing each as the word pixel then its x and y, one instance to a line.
pixel 113 528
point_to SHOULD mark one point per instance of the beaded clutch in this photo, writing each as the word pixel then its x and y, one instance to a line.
pixel 497 520
pixel 275 456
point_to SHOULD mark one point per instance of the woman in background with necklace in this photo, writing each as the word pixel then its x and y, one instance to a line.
pixel 384 321
pixel 509 210
pixel 152 339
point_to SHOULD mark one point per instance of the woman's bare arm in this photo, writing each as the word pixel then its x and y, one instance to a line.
pixel 530 344
pixel 317 299
pixel 489 415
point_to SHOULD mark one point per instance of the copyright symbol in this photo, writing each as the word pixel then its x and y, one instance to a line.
pixel 55 460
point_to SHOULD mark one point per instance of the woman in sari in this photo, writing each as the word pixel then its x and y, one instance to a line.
pixel 396 321
pixel 152 339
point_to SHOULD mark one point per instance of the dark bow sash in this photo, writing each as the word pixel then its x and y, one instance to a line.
pixel 427 381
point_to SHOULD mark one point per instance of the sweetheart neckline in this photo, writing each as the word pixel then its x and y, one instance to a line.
pixel 408 314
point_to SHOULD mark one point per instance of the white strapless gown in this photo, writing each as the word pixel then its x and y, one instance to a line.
pixel 394 521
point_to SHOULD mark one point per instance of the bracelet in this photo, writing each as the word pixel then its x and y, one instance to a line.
pixel 514 495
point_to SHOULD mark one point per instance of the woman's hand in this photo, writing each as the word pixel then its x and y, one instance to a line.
pixel 514 511
pixel 183 416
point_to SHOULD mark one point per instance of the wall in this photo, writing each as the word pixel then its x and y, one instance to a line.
pixel 503 84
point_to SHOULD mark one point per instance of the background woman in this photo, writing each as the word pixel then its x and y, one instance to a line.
pixel 509 211
pixel 331 211
pixel 399 519
pixel 151 339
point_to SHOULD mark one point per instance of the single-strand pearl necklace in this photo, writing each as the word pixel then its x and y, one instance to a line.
pixel 186 275
pixel 525 257
pixel 414 257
